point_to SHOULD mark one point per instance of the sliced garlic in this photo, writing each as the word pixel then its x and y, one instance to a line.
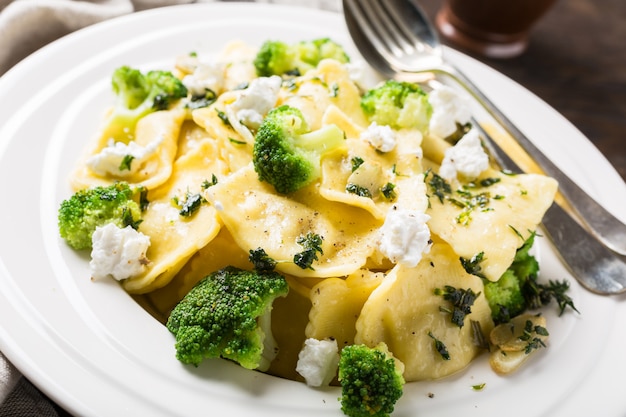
pixel 514 342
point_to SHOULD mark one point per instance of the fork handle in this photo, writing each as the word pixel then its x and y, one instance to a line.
pixel 604 225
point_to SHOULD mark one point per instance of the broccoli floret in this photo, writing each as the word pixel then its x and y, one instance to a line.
pixel 518 290
pixel 138 94
pixel 398 104
pixel 280 58
pixel 286 154
pixel 371 381
pixel 227 314
pixel 87 209
pixel 505 297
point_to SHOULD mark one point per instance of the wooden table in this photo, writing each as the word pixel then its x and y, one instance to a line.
pixel 576 62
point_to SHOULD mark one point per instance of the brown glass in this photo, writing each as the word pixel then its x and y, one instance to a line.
pixel 494 28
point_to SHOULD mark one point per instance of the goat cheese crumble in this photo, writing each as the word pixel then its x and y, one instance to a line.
pixel 380 137
pixel 206 76
pixel 118 252
pixel 405 236
pixel 109 161
pixel 449 108
pixel 467 158
pixel 317 361
pixel 249 109
pixel 255 101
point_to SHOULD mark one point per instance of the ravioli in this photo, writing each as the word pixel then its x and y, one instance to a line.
pixel 174 238
pixel 163 126
pixel 233 148
pixel 404 312
pixel 220 252
pixel 516 204
pixel 337 303
pixel 400 169
pixel 352 292
pixel 327 85
pixel 258 217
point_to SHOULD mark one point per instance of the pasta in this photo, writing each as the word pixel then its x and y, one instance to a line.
pixel 355 292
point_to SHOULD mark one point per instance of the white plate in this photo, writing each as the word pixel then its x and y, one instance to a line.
pixel 96 352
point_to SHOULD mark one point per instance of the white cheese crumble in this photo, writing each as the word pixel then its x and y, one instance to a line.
pixel 449 108
pixel 109 160
pixel 380 137
pixel 207 75
pixel 256 100
pixel 249 109
pixel 317 361
pixel 467 158
pixel 357 72
pixel 118 253
pixel 405 236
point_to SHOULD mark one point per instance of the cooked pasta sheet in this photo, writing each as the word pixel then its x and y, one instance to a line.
pixel 156 135
pixel 355 292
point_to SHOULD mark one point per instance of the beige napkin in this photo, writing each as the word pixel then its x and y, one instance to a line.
pixel 27 25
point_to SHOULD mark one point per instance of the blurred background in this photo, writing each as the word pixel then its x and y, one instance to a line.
pixel 576 62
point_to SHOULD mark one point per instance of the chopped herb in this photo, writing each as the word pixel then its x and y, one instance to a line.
pixel 143 198
pixel 389 191
pixel 126 161
pixel 200 101
pixel 334 90
pixel 191 204
pixel 461 300
pixel 206 183
pixel 290 84
pixel 293 72
pixel 478 335
pixel 519 234
pixel 127 219
pixel 469 202
pixel 538 295
pixel 223 117
pixel 356 162
pixel 312 244
pixel 236 142
pixel 472 265
pixel 261 260
pixel 479 387
pixel 440 347
pixel 358 190
pixel 439 187
pixel 487 182
pixel 461 130
pixel 465 217
pixel 531 335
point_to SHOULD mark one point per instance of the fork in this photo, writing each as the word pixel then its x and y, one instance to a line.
pixel 387 40
pixel 398 40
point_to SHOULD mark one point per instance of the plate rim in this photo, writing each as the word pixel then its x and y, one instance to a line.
pixel 6 341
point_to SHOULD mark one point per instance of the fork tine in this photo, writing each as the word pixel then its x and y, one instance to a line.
pixel 370 24
pixel 385 21
pixel 400 22
pixel 364 24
